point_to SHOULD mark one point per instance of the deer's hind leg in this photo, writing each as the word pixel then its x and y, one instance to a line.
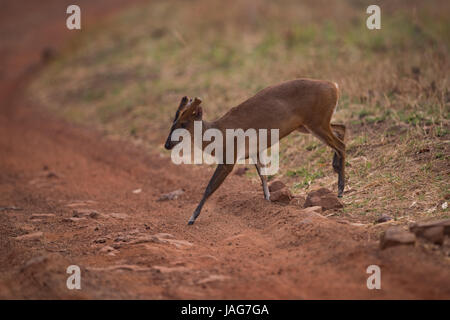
pixel 325 133
pixel 339 130
pixel 263 181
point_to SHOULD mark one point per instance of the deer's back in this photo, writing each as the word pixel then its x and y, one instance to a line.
pixel 284 106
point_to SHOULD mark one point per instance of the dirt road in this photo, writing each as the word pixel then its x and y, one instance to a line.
pixel 69 196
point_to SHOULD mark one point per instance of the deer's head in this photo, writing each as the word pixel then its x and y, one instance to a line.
pixel 188 111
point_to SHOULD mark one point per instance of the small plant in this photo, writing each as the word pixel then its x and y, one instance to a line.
pixel 308 177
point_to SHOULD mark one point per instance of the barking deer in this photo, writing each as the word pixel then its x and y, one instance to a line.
pixel 304 105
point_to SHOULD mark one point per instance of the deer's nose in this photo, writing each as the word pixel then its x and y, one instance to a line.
pixel 167 145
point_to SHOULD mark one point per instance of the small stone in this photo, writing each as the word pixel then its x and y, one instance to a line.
pixel 276 185
pixel 73 219
pixel 117 215
pixel 85 213
pixel 41 215
pixel 30 236
pixel 93 215
pixel 51 175
pixel 163 269
pixel 419 228
pixel 213 278
pixel 282 196
pixel 395 236
pixel 107 249
pixel 137 191
pixel 171 195
pixel 434 235
pixel 383 218
pixel 324 198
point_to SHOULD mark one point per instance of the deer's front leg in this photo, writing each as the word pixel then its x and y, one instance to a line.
pixel 222 171
pixel 263 182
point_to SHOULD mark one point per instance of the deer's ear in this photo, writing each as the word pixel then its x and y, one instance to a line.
pixel 197 101
pixel 183 103
pixel 198 113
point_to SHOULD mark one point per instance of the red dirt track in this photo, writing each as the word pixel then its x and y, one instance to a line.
pixel 240 247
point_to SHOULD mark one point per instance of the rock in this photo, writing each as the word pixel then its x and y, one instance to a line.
pixel 282 196
pixel 107 249
pixel 163 269
pixel 434 235
pixel 51 175
pixel 94 215
pixel 10 208
pixel 395 236
pixel 30 236
pixel 383 218
pixel 73 219
pixel 100 240
pixel 213 278
pixel 137 191
pixel 240 171
pixel 118 215
pixel 123 238
pixel 85 213
pixel 419 228
pixel 276 185
pixel 320 192
pixel 41 215
pixel 80 203
pixel 323 198
pixel 171 195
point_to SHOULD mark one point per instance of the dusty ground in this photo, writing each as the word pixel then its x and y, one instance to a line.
pixel 241 247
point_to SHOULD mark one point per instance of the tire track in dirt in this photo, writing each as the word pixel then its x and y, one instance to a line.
pixel 76 187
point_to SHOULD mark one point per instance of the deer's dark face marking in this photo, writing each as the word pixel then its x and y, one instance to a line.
pixel 188 111
pixel 169 143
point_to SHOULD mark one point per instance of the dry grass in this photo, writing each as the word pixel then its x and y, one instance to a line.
pixel 127 76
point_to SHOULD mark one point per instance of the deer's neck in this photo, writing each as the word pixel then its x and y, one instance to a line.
pixel 205 126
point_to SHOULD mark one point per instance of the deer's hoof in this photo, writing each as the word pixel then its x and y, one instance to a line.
pixel 191 222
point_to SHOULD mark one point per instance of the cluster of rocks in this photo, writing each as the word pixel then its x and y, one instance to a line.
pixel 322 197
pixel 434 232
